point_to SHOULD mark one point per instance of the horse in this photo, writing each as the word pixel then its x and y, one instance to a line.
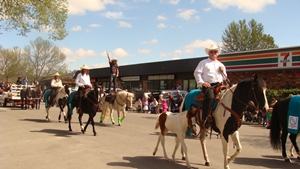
pixel 60 101
pixel 178 124
pixel 25 94
pixel 119 102
pixel 284 122
pixel 292 147
pixel 90 106
pixel 37 96
pixel 228 113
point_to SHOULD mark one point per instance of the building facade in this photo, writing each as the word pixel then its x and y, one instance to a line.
pixel 275 66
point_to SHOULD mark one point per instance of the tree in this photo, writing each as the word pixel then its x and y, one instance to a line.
pixel 44 58
pixel 245 37
pixel 12 64
pixel 40 15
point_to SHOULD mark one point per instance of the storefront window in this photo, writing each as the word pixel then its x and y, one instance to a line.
pixel 192 84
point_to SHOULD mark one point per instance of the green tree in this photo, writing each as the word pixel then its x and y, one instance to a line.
pixel 44 58
pixel 245 37
pixel 40 15
pixel 13 64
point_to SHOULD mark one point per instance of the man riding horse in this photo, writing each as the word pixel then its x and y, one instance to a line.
pixel 56 84
pixel 83 82
pixel 209 74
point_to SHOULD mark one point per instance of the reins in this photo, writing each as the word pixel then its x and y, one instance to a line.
pixel 122 100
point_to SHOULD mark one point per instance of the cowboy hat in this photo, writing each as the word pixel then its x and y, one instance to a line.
pixel 84 67
pixel 114 59
pixel 213 47
pixel 56 74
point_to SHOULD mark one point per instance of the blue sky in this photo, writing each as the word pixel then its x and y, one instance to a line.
pixel 141 31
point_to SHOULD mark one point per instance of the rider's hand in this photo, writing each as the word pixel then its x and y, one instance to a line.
pixel 206 84
pixel 82 86
pixel 221 68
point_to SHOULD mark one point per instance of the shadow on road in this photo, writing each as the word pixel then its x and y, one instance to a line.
pixel 36 120
pixel 60 133
pixel 150 162
pixel 267 162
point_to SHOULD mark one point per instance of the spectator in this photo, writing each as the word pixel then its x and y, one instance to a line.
pixel 153 106
pixel 179 99
pixel 287 85
pixel 19 81
pixel 178 86
pixel 139 105
pixel 35 82
pixel 164 106
pixel 171 102
pixel 25 81
pixel 274 101
pixel 145 106
pixel 159 107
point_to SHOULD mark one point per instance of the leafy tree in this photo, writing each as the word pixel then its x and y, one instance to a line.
pixel 245 37
pixel 44 58
pixel 12 64
pixel 40 15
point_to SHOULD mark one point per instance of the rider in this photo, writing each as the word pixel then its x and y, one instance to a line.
pixel 83 81
pixel 56 84
pixel 208 75
pixel 114 72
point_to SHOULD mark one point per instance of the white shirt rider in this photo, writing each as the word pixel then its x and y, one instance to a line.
pixel 82 80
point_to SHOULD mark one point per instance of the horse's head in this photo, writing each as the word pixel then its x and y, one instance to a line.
pixel 256 90
pixel 67 89
pixel 127 97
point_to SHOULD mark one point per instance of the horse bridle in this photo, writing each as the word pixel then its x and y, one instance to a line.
pixel 95 104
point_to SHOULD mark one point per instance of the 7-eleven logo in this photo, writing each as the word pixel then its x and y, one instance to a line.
pixel 284 60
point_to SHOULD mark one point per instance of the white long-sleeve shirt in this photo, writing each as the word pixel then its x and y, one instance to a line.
pixel 55 83
pixel 83 80
pixel 208 71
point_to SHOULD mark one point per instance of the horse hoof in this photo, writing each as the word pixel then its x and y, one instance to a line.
pixel 183 158
pixel 101 121
pixel 59 120
pixel 298 157
pixel 70 130
pixel 288 160
pixel 207 164
pixel 119 124
pixel 82 131
pixel 95 134
pixel 113 123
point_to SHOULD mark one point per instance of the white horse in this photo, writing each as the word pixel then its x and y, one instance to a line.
pixel 119 103
pixel 178 124
pixel 228 113
pixel 60 101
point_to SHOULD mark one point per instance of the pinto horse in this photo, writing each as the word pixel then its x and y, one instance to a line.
pixel 90 106
pixel 228 113
pixel 26 95
pixel 283 123
pixel 178 124
pixel 60 101
pixel 119 103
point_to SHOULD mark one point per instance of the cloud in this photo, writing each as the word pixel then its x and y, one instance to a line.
pixel 76 28
pixel 176 58
pixel 78 54
pixel 173 2
pixel 200 44
pixel 161 25
pixel 186 14
pixel 99 65
pixel 207 9
pixel 144 51
pixel 161 18
pixel 253 6
pixel 141 0
pixel 95 25
pixel 119 52
pixel 152 41
pixel 113 15
pixel 79 7
pixel 172 54
pixel 125 24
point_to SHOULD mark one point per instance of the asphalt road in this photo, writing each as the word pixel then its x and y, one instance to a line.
pixel 29 141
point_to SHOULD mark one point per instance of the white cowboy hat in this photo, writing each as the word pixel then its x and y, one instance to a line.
pixel 114 59
pixel 212 47
pixel 56 74
pixel 84 67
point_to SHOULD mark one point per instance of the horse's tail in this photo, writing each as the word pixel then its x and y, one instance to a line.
pixel 182 107
pixel 275 129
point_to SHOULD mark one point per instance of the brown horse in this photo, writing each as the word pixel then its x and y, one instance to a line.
pixel 37 96
pixel 26 95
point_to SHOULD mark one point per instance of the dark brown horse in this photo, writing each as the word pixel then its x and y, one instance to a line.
pixel 26 95
pixel 90 106
pixel 282 122
pixel 37 96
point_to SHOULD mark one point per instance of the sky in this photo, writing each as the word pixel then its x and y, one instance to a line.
pixel 143 31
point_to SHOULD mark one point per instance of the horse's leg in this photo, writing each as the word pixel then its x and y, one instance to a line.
pixel 124 115
pixel 47 112
pixel 225 150
pixel 162 139
pixel 119 119
pixel 86 125
pixel 112 117
pixel 80 121
pixel 177 140
pixel 236 140
pixel 203 145
pixel 293 138
pixel 183 146
pixel 156 147
pixel 93 124
pixel 69 121
pixel 292 147
pixel 283 148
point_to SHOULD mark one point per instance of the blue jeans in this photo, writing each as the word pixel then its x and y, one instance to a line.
pixel 112 80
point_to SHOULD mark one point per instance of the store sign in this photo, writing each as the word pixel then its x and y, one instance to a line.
pixel 131 78
pixel 160 77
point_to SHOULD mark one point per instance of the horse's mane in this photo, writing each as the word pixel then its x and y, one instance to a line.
pixel 261 84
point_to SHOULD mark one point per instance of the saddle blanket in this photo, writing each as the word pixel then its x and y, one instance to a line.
pixel 189 100
pixel 71 96
pixel 46 94
pixel 294 115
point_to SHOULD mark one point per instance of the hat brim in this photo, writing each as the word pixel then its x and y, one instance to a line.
pixel 209 49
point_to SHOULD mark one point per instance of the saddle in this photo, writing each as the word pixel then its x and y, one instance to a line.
pixel 110 98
